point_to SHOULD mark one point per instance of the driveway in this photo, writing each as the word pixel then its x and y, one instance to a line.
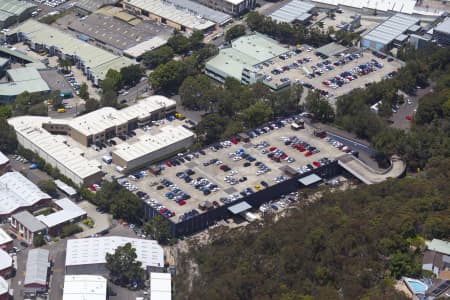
pixel 102 221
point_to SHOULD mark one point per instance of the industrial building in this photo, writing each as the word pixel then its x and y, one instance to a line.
pixel 14 11
pixel 89 6
pixel 87 256
pixel 6 242
pixel 295 11
pixel 232 7
pixel 152 147
pixel 93 61
pixel 177 15
pixel 86 287
pixel 22 80
pixel 4 289
pixel 27 226
pixel 18 193
pixel 392 32
pixel 36 273
pixel 4 163
pixel 242 58
pixel 67 213
pixel 6 264
pixel 371 6
pixel 441 33
pixel 54 150
pixel 138 50
pixel 160 286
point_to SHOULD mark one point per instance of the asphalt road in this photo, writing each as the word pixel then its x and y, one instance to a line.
pixel 132 94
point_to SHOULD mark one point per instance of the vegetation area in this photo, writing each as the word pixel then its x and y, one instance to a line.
pixel 123 267
pixel 49 187
pixel 235 32
pixel 38 240
pixel 158 229
pixel 88 222
pixel 69 230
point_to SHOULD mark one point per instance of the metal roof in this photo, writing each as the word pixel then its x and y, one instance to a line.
pixel 440 246
pixel 200 10
pixel 65 188
pixel 3 159
pixel 5 260
pixel 3 61
pixel 23 74
pixel 443 26
pixel 29 221
pixel 390 29
pixel 145 46
pixel 11 89
pixel 93 5
pixel 85 287
pixel 4 288
pixel 89 251
pixel 17 191
pixel 294 10
pixel 68 212
pixel 160 286
pixel 4 237
pixel 331 49
pixel 240 207
pixel 37 267
pixel 310 179
pixel 404 6
pixel 13 52
pixel 13 8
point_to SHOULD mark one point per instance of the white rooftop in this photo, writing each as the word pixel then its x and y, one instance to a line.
pixel 444 26
pixel 37 138
pixel 145 46
pixel 17 191
pixel 65 188
pixel 3 159
pixel 85 287
pixel 37 266
pixel 292 11
pixel 153 142
pixel 404 6
pixel 69 211
pixel 160 286
pixel 93 250
pixel 4 237
pixel 3 286
pixel 390 29
pixel 5 260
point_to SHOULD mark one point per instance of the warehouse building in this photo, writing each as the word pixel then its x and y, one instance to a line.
pixel 231 7
pixel 87 256
pixel 27 226
pixel 372 6
pixel 54 150
pixel 14 11
pixel 4 163
pixel 18 193
pixel 22 80
pixel 6 242
pixel 242 58
pixel 86 287
pixel 151 147
pixel 4 289
pixel 93 61
pixel 392 32
pixel 295 11
pixel 176 15
pixel 68 213
pixel 36 274
pixel 441 33
pixel 6 264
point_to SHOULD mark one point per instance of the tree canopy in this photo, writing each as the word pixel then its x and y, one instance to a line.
pixel 235 32
pixel 158 228
pixel 124 267
pixel 157 56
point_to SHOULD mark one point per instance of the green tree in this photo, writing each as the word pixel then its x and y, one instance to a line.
pixel 319 107
pixel 39 109
pixel 158 228
pixel 196 39
pixel 235 32
pixel 131 75
pixel 70 229
pixel 8 139
pixel 38 240
pixel 108 98
pixel 114 82
pixel 211 127
pixel 168 77
pixel 92 104
pixel 157 57
pixel 49 187
pixel 256 114
pixel 195 92
pixel 179 43
pixel 123 265
pixel 84 94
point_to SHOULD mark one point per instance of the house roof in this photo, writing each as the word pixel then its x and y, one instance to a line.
pixel 29 221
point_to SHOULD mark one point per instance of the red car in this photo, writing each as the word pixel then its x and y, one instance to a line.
pixel 283 156
pixel 309 153
pixel 92 188
pixel 271 149
pixel 234 141
pixel 181 202
pixel 168 164
pixel 316 164
pixel 408 118
pixel 162 210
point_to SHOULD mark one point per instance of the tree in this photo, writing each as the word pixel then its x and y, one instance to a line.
pixel 39 109
pixel 91 105
pixel 179 43
pixel 108 98
pixel 70 229
pixel 319 107
pixel 158 229
pixel 8 139
pixel 256 114
pixel 157 57
pixel 84 94
pixel 131 75
pixel 49 187
pixel 211 127
pixel 123 265
pixel 235 32
pixel 168 77
pixel 196 39
pixel 38 240
pixel 114 82
pixel 195 91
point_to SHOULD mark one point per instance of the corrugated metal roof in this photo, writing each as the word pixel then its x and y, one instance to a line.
pixel 444 26
pixel 29 221
pixel 23 74
pixel 294 10
pixel 68 212
pixel 84 287
pixel 240 207
pixel 310 179
pixel 37 267
pixel 13 8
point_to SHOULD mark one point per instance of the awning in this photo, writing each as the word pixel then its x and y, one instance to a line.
pixel 240 207
pixel 310 179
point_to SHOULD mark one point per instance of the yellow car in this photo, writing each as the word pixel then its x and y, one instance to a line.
pixel 257 187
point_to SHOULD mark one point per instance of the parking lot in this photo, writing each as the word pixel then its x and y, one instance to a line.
pixel 232 170
pixel 332 76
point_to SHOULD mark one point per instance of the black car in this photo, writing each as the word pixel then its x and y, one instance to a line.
pixel 159 187
pixel 202 152
pixel 247 164
pixel 23 244
pixel 264 184
pixel 13 236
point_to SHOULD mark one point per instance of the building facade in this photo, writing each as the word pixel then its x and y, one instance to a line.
pixel 441 33
pixel 232 7
pixel 27 226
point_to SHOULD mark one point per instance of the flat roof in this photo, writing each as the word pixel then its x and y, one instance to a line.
pixel 294 10
pixel 240 207
pixel 310 179
pixel 17 191
pixel 5 260
pixel 160 286
pixel 145 46
pixel 37 267
pixel 4 288
pixel 30 128
pixel 390 29
pixel 3 159
pixel 17 54
pixel 4 237
pixel 29 221
pixel 168 11
pixel 331 49
pixel 444 26
pixel 23 74
pixel 403 6
pixel 89 251
pixel 93 57
pixel 149 143
pixel 65 188
pixel 14 7
pixel 91 6
pixel 440 246
pixel 198 9
pixel 86 287
pixel 68 212
pixel 18 87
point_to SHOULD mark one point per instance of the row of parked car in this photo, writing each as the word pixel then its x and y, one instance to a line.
pixel 342 146
pixel 315 164
pixel 164 211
